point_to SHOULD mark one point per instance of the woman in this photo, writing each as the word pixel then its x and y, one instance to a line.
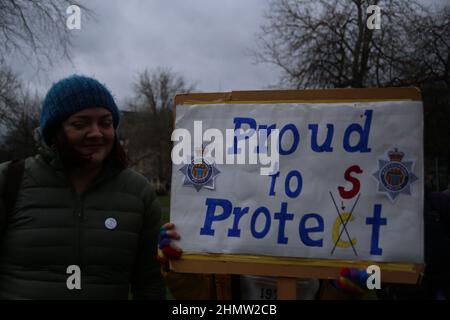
pixel 83 225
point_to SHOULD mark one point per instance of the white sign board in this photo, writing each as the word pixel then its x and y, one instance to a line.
pixel 349 183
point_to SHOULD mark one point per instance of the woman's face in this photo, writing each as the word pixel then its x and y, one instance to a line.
pixel 91 133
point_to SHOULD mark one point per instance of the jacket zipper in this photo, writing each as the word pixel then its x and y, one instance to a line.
pixel 78 232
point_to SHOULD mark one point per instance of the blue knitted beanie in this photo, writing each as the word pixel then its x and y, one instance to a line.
pixel 69 96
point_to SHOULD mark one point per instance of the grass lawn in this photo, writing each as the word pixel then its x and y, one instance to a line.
pixel 164 201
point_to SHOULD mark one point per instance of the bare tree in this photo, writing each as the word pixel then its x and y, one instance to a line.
pixel 326 43
pixel 155 90
pixel 9 88
pixel 147 130
pixel 423 48
pixel 36 29
pixel 19 117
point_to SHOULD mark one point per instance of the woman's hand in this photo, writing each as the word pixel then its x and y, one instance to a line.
pixel 166 249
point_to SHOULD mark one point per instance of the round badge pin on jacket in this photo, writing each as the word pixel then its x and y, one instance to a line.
pixel 110 223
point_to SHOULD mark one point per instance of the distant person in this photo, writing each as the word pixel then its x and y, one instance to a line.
pixel 77 204
pixel 436 282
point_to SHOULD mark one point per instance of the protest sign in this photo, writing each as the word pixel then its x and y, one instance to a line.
pixel 346 181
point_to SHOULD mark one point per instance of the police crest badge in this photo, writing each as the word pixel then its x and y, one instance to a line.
pixel 200 173
pixel 395 176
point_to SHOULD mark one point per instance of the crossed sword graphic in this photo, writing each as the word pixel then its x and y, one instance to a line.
pixel 344 224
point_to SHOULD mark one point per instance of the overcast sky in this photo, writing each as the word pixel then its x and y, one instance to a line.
pixel 206 41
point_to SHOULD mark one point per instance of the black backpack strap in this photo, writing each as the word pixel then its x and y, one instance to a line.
pixel 13 179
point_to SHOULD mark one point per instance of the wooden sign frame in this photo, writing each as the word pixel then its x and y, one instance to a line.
pixel 289 269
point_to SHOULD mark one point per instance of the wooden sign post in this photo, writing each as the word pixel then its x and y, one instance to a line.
pixel 288 268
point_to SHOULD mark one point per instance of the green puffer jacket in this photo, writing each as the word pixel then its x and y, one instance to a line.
pixel 52 228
